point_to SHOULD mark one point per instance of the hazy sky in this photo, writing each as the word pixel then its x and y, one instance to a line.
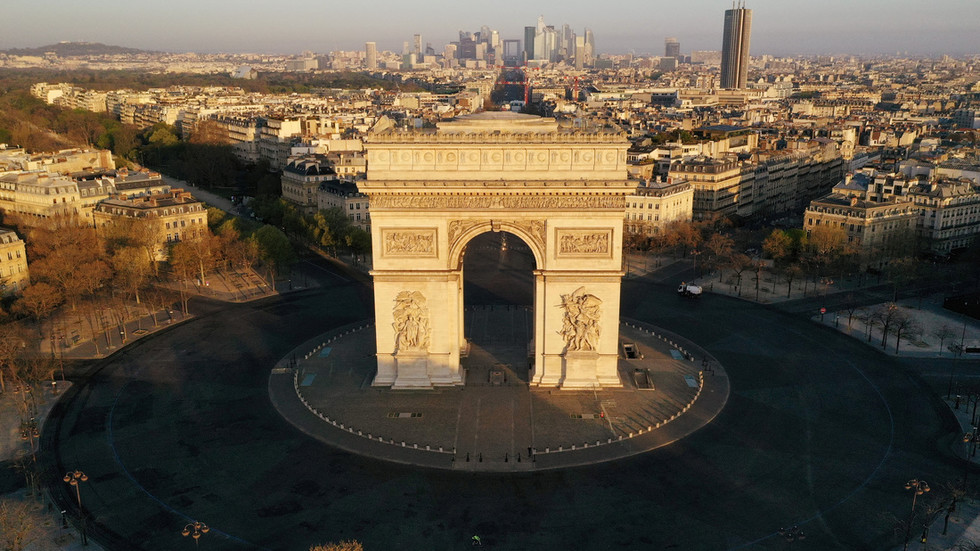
pixel 620 26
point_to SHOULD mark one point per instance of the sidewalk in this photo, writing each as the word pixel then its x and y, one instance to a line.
pixel 963 528
pixel 928 313
pixel 47 532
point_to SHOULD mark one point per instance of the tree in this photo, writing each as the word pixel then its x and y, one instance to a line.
pixel 275 250
pixel 789 274
pixel 886 315
pixel 358 241
pixel 341 546
pixel 943 333
pixel 20 523
pixel 900 272
pixel 141 233
pixel 163 137
pixel 12 343
pixel 131 270
pixel 739 263
pixel 778 246
pixel 906 326
pixel 182 267
pixel 719 248
pixel 69 256
pixel 850 306
pixel 38 300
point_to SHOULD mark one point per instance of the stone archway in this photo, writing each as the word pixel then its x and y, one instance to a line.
pixel 561 191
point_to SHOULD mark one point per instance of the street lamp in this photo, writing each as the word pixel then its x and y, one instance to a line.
pixel 918 488
pixel 195 530
pixel 74 478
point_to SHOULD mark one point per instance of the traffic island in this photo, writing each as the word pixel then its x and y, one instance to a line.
pixel 497 421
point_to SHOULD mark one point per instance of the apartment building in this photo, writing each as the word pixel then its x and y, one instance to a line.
pixel 656 204
pixel 949 213
pixel 345 196
pixel 301 178
pixel 176 213
pixel 33 197
pixel 716 184
pixel 876 228
pixel 14 276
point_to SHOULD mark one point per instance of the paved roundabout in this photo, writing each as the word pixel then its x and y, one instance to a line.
pixel 819 431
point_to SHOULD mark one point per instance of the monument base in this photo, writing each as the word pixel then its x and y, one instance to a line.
pixel 580 370
pixel 417 370
pixel 411 371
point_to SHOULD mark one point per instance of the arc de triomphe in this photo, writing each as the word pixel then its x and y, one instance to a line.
pixel 560 190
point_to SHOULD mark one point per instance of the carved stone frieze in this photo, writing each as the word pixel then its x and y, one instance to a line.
pixel 498 201
pixel 409 242
pixel 584 242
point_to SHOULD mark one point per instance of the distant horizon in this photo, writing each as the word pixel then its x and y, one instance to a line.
pixel 779 27
pixel 898 54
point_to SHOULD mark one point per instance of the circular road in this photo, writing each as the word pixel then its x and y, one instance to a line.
pixel 819 431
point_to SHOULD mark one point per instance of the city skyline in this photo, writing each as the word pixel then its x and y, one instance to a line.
pixel 780 28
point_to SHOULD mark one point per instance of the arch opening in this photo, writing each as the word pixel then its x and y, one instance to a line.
pixel 498 308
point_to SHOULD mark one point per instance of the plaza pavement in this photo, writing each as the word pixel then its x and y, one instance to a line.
pixel 496 422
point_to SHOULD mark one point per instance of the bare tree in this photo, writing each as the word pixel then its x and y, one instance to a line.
pixel 943 333
pixel 12 343
pixel 886 315
pixel 850 306
pixel 20 523
pixel 904 325
pixel 739 262
pixel 719 247
pixel 790 274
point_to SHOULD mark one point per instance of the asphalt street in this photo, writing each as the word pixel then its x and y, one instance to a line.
pixel 819 431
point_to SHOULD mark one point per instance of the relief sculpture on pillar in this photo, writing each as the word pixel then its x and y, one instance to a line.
pixel 580 326
pixel 412 331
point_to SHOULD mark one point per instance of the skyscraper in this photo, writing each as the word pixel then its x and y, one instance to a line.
pixel 529 33
pixel 735 47
pixel 672 48
pixel 370 56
